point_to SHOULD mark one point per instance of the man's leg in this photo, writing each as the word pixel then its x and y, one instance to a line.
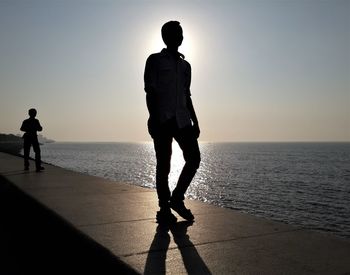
pixel 189 145
pixel 162 146
pixel 26 150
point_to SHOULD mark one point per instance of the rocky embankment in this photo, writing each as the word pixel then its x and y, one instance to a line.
pixel 10 144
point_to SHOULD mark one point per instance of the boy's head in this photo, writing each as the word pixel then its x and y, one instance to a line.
pixel 172 34
pixel 32 112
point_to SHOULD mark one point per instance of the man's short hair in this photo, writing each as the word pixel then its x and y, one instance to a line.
pixel 169 29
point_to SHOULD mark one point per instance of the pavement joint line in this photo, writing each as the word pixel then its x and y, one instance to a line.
pixel 77 188
pixel 114 222
pixel 212 242
pixel 16 173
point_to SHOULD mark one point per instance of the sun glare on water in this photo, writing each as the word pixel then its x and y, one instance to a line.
pixel 177 163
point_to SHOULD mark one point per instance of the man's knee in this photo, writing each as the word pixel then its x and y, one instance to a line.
pixel 194 161
pixel 163 169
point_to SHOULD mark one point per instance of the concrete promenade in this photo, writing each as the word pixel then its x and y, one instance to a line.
pixel 115 224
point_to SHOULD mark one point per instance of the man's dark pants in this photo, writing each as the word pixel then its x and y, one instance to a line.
pixel 162 138
pixel 27 143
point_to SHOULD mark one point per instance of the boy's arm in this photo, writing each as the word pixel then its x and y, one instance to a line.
pixel 39 128
pixel 23 127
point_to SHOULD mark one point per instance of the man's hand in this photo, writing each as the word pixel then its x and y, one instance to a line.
pixel 196 130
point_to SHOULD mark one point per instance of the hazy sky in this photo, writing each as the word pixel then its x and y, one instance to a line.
pixel 264 70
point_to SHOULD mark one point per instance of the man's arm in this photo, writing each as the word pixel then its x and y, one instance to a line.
pixel 150 76
pixel 151 104
pixel 193 116
pixel 189 102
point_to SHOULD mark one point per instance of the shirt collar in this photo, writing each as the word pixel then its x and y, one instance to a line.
pixel 166 51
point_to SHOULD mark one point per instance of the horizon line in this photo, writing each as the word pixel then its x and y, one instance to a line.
pixel 213 141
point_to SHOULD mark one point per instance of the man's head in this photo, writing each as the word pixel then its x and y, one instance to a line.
pixel 172 34
pixel 32 112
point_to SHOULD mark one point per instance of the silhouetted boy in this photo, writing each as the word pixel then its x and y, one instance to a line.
pixel 30 126
pixel 171 115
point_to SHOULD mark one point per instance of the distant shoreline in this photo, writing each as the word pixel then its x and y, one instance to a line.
pixel 13 144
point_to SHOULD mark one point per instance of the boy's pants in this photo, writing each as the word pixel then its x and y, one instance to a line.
pixel 28 142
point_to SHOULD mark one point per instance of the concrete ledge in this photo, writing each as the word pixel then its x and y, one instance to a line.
pixel 119 220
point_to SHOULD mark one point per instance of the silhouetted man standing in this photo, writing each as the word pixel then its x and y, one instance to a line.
pixel 167 85
pixel 30 126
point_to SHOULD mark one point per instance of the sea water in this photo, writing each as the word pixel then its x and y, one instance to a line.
pixel 305 184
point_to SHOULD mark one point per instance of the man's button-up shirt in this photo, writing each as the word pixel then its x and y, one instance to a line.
pixel 168 78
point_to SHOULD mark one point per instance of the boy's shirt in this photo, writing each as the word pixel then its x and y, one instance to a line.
pixel 168 79
pixel 30 126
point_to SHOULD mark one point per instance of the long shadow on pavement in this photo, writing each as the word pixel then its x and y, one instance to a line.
pixel 156 258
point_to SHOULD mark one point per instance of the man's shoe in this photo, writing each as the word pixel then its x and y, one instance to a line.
pixel 164 216
pixel 180 208
pixel 39 169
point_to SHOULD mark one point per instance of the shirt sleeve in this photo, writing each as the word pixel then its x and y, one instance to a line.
pixel 150 75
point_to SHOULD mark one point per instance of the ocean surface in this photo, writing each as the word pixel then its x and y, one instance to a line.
pixel 304 184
